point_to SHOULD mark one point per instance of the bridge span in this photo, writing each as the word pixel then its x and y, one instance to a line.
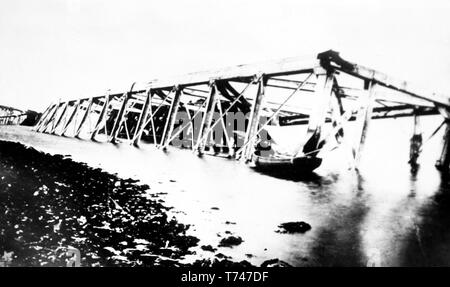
pixel 10 115
pixel 235 112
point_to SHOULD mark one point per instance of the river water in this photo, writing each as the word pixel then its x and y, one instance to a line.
pixel 383 215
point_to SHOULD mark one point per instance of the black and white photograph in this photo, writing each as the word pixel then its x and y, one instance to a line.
pixel 225 134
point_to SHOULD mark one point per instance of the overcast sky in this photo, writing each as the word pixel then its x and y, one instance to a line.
pixel 52 49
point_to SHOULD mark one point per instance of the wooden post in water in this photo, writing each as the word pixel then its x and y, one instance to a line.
pixel 415 142
pixel 121 115
pixel 252 129
pixel 171 117
pixel 443 163
pixel 66 105
pixel 322 100
pixel 142 119
pixel 55 119
pixel 43 116
pixel 202 139
pixel 101 119
pixel 85 116
pixel 71 118
pixel 363 119
pixel 49 119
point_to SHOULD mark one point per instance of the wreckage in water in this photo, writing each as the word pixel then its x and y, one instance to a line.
pixel 238 112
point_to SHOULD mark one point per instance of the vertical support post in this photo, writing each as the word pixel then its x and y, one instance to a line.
pixel 207 119
pixel 415 142
pixel 120 116
pixel 363 120
pixel 72 116
pixel 142 119
pixel 49 119
pixel 66 105
pixel 152 121
pixel 192 123
pixel 85 116
pixel 224 127
pixel 443 163
pixel 171 117
pixel 336 113
pixel 101 118
pixel 43 116
pixel 54 119
pixel 323 93
pixel 250 136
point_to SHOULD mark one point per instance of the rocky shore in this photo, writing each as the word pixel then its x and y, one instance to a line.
pixel 49 204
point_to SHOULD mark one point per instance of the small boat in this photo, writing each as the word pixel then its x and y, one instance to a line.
pixel 278 162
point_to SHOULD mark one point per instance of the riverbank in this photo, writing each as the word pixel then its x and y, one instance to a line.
pixel 50 203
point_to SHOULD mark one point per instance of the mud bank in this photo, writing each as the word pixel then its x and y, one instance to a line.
pixel 49 203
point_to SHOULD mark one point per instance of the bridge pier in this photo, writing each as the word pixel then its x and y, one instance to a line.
pixel 43 116
pixel 76 107
pixel 140 125
pixel 364 116
pixel 85 116
pixel 101 121
pixel 254 121
pixel 317 118
pixel 120 117
pixel 63 113
pixel 49 118
pixel 171 117
pixel 415 143
pixel 443 163
pixel 204 131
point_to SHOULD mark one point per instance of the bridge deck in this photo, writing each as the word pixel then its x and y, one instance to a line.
pixel 229 111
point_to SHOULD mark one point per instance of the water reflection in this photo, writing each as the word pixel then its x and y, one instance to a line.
pixel 338 237
pixel 429 243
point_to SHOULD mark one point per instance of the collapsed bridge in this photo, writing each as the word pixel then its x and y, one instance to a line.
pixel 10 115
pixel 234 112
pixel 13 116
